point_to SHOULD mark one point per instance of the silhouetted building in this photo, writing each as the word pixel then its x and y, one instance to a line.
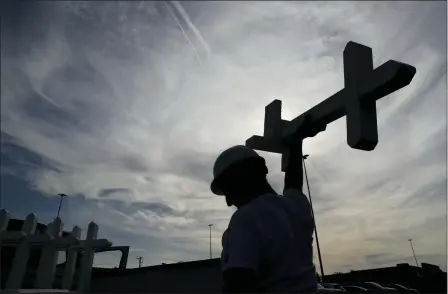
pixel 427 279
pixel 204 276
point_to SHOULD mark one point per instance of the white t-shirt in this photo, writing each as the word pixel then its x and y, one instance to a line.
pixel 273 236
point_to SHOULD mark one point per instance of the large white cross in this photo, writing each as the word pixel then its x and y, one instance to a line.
pixel 357 101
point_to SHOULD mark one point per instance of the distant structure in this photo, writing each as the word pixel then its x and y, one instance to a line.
pixel 30 250
pixel 204 276
pixel 413 252
pixel 140 261
pixel 210 225
pixel 428 278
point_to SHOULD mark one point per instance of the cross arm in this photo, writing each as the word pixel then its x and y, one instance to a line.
pixel 386 79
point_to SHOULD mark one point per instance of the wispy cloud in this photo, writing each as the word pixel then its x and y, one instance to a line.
pixel 105 101
pixel 193 28
pixel 170 10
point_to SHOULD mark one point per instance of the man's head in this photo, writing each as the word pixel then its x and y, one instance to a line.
pixel 240 174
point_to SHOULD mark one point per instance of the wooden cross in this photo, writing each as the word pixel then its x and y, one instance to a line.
pixel 363 85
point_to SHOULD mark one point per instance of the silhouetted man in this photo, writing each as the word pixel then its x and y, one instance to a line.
pixel 268 244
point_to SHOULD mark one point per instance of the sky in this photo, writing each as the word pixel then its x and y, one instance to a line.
pixel 124 106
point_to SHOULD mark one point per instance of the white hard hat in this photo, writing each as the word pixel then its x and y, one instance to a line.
pixel 228 158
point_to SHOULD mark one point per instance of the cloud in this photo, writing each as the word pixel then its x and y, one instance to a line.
pixel 107 103
pixel 114 191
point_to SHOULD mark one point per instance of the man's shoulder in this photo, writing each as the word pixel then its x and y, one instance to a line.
pixel 243 213
pixel 247 213
pixel 293 193
pixel 296 196
pixel 252 208
pixel 256 209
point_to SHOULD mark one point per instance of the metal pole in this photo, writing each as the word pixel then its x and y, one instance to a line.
pixel 314 220
pixel 413 252
pixel 210 225
pixel 60 204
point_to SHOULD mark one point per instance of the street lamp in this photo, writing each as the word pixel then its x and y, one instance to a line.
pixel 140 261
pixel 210 225
pixel 314 220
pixel 413 252
pixel 60 204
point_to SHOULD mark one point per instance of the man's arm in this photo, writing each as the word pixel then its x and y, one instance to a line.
pixel 240 280
pixel 294 167
pixel 294 156
pixel 240 272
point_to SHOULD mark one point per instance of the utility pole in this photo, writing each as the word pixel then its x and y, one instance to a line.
pixel 60 204
pixel 210 225
pixel 314 220
pixel 140 261
pixel 413 252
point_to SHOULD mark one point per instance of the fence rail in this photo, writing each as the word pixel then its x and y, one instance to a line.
pixel 51 242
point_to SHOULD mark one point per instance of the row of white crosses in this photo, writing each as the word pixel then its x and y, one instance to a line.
pixel 51 243
pixel 357 101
